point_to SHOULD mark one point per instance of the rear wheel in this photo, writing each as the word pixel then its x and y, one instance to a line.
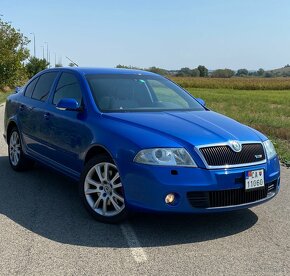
pixel 102 191
pixel 17 159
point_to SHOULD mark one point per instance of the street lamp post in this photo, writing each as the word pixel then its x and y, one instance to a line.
pixel 42 51
pixel 34 44
pixel 46 50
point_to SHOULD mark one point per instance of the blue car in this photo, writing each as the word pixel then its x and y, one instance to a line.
pixel 136 141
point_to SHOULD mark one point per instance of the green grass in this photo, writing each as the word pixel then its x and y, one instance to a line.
pixel 265 110
pixel 3 96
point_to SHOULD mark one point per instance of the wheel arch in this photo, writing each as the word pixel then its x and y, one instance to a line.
pixel 96 150
pixel 12 124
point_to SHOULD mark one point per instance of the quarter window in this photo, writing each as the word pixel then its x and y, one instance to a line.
pixel 43 86
pixel 30 88
pixel 67 87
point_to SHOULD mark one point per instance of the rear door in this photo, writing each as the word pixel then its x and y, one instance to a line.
pixel 25 114
pixel 33 113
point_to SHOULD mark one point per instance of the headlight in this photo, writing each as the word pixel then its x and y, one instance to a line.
pixel 270 150
pixel 165 157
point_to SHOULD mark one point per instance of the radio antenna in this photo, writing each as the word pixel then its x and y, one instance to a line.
pixel 72 61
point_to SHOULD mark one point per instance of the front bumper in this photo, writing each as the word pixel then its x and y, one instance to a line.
pixel 146 187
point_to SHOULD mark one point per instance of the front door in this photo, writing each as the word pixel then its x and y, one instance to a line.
pixel 68 135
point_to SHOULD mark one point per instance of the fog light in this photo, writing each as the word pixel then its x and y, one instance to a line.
pixel 169 199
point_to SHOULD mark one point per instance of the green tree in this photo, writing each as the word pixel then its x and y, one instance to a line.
pixel 35 65
pixel 223 73
pixel 184 72
pixel 261 72
pixel 157 70
pixel 203 71
pixel 13 53
pixel 242 72
pixel 195 73
pixel 268 75
pixel 58 65
pixel 127 67
pixel 187 72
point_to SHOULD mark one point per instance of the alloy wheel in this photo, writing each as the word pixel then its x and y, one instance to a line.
pixel 103 189
pixel 14 148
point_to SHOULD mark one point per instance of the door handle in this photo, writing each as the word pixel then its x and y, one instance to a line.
pixel 46 116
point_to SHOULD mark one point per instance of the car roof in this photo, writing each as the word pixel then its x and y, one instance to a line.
pixel 94 70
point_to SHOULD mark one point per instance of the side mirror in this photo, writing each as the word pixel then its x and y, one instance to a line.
pixel 68 104
pixel 201 101
pixel 18 89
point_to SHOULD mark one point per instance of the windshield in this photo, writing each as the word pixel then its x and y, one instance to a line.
pixel 123 93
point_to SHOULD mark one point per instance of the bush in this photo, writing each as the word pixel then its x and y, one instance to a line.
pixel 223 73
pixel 35 65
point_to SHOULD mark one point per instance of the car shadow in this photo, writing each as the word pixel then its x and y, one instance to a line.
pixel 47 204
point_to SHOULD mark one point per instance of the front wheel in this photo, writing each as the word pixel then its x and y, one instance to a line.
pixel 102 191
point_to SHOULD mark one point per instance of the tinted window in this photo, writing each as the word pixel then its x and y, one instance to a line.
pixel 30 88
pixel 67 87
pixel 43 86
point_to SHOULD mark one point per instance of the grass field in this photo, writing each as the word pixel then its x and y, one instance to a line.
pixel 3 96
pixel 267 111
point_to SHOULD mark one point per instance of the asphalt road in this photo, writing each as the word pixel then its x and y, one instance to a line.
pixel 44 230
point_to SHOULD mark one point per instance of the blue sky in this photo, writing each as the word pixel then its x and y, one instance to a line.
pixel 169 34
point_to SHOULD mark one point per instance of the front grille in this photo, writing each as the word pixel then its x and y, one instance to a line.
pixel 228 197
pixel 224 155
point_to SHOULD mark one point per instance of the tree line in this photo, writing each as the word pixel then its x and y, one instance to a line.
pixel 202 71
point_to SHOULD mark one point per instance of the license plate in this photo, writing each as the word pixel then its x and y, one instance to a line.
pixel 254 179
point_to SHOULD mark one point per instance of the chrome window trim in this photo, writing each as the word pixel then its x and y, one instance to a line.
pixel 228 144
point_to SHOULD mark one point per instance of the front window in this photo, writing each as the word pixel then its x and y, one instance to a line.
pixel 121 93
pixel 67 87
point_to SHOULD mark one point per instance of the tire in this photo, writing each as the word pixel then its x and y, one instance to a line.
pixel 17 159
pixel 101 190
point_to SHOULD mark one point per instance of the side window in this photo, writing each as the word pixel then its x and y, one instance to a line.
pixel 67 87
pixel 43 86
pixel 30 88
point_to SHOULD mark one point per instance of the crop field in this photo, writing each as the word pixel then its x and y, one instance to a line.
pixel 238 83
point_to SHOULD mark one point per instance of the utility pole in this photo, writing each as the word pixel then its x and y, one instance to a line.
pixel 46 51
pixel 42 51
pixel 34 44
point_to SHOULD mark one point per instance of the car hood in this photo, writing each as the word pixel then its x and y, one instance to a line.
pixel 193 127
